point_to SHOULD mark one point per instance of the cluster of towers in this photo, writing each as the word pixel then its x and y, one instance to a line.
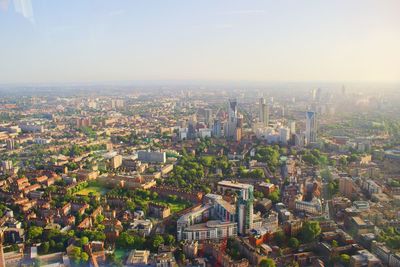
pixel 234 125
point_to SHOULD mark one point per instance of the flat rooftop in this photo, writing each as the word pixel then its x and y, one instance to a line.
pixel 234 184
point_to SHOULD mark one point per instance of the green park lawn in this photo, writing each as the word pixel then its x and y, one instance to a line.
pixel 176 206
pixel 96 190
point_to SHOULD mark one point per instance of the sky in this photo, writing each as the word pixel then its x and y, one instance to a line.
pixel 248 40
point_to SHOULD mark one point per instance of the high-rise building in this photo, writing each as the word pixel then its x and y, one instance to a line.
pixel 244 204
pixel 191 133
pixel 83 122
pixel 10 144
pixel 238 129
pixel 231 125
pixel 263 115
pixel 116 161
pixel 117 103
pixel 216 130
pixel 208 116
pixel 311 127
pixel 152 156
pixel 292 126
pixel 284 135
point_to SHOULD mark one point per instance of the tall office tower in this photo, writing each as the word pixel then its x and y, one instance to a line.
pixel 231 125
pixel 311 127
pixel 292 126
pixel 216 130
pixel 263 115
pixel 208 116
pixel 191 134
pixel 284 135
pixel 10 144
pixel 238 129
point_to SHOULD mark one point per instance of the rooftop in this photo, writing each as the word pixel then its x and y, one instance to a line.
pixel 234 184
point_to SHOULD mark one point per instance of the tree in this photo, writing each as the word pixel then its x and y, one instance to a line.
pixel 113 261
pixel 180 256
pixel 274 196
pixel 99 218
pixel 35 232
pixel 335 244
pixel 169 240
pixel 345 258
pixel 280 238
pixel 44 247
pixel 157 241
pixel 84 257
pixel 258 194
pixel 326 175
pixel 125 240
pixel 75 255
pixel 84 240
pixel 267 263
pixel 270 155
pixel 294 243
pixel 310 231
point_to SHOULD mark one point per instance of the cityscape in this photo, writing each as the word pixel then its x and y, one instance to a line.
pixel 98 169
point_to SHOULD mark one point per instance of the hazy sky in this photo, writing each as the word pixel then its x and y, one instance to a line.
pixel 258 40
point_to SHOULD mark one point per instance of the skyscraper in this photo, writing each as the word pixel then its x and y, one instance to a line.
pixel 10 144
pixel 244 210
pixel 311 127
pixel 208 116
pixel 231 125
pixel 216 130
pixel 244 204
pixel 263 112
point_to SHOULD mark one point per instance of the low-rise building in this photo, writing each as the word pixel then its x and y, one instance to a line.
pixel 138 258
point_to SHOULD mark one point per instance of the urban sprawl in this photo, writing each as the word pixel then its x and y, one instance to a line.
pixel 199 177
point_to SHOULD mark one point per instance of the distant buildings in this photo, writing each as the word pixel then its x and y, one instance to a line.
pixel 116 161
pixel 152 157
pixel 233 127
pixel 83 122
pixel 31 127
pixel 10 143
pixel 313 207
pixel 311 127
pixel 364 258
pixel 217 129
pixel 117 103
pixel 385 254
pixel 263 112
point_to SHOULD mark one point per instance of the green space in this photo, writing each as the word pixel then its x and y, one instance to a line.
pixel 120 254
pixel 176 206
pixel 140 198
pixel 95 190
